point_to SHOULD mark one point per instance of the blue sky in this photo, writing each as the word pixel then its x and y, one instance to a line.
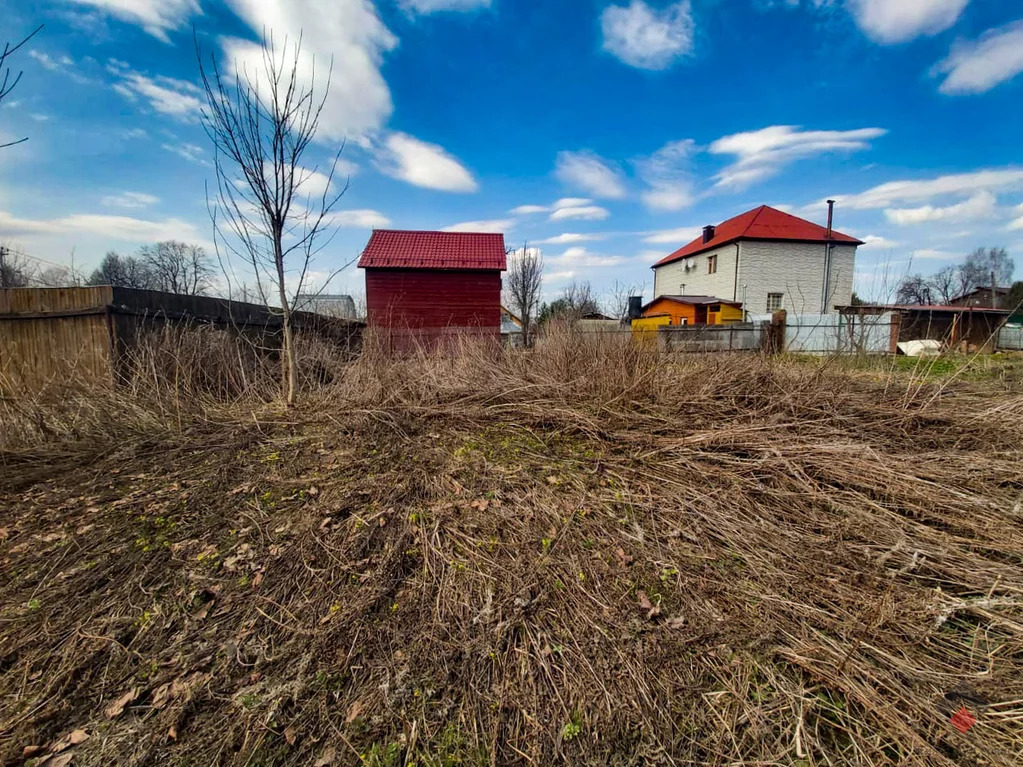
pixel 605 132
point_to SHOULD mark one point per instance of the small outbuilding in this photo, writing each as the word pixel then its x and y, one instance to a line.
pixel 688 310
pixel 424 286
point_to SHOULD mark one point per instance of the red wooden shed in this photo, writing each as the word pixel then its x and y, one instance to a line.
pixel 423 286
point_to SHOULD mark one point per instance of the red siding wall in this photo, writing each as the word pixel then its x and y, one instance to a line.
pixel 417 300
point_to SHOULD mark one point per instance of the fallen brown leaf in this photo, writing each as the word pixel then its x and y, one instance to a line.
pixel 161 696
pixel 73 738
pixel 28 751
pixel 644 601
pixel 172 733
pixel 326 757
pixel 623 559
pixel 116 708
pixel 354 712
pixel 290 735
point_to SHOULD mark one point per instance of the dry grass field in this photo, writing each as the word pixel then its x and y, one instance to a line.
pixel 581 555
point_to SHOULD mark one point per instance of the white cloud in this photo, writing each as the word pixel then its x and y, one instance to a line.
pixel 582 212
pixel 566 208
pixel 157 17
pixel 528 210
pixel 980 206
pixel 360 219
pixel 129 200
pixel 927 254
pixel 591 173
pixel 978 66
pixel 311 183
pixel 432 6
pixel 666 172
pixel 498 226
pixel 877 242
pixel 52 63
pixel 895 21
pixel 177 98
pixel 569 238
pixel 39 117
pixel 190 152
pixel 121 228
pixel 645 38
pixel 579 258
pixel 345 34
pixel 421 164
pixel 909 191
pixel 763 153
pixel 679 236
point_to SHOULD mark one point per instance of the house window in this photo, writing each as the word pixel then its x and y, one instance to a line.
pixel 774 301
pixel 712 264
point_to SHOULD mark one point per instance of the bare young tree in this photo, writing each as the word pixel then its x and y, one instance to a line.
pixel 523 283
pixel 8 79
pixel 176 267
pixel 261 126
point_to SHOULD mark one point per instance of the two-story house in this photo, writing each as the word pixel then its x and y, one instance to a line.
pixel 767 260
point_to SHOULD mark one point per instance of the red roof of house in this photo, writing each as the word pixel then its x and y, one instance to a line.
pixel 393 249
pixel 763 223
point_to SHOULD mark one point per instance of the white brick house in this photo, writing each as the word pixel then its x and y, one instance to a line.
pixel 765 259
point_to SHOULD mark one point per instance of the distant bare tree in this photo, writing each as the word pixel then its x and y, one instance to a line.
pixel 618 299
pixel 524 280
pixel 9 80
pixel 260 127
pixel 57 277
pixel 580 299
pixel 122 272
pixel 987 267
pixel 946 284
pixel 914 289
pixel 176 267
pixel 15 271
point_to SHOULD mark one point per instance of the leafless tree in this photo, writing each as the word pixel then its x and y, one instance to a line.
pixel 15 271
pixel 617 300
pixel 946 284
pixel 261 126
pixel 579 298
pixel 57 277
pixel 523 283
pixel 914 289
pixel 8 79
pixel 122 272
pixel 987 267
pixel 176 267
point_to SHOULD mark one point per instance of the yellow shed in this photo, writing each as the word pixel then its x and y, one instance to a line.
pixel 690 310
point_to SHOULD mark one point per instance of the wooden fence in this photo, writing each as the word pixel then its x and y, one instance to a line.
pixel 49 334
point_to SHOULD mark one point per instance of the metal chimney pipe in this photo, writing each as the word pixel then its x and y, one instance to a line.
pixel 826 288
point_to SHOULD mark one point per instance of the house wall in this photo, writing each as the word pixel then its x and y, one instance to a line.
pixel 669 279
pixel 415 300
pixel 795 269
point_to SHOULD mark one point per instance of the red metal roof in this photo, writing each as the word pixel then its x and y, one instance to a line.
pixel 763 223
pixel 393 249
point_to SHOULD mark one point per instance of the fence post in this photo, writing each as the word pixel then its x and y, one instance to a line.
pixel 776 333
pixel 893 341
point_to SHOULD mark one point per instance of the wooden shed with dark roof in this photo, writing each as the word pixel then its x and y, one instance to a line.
pixel 424 286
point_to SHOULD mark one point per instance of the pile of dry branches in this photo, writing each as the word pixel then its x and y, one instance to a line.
pixel 577 555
